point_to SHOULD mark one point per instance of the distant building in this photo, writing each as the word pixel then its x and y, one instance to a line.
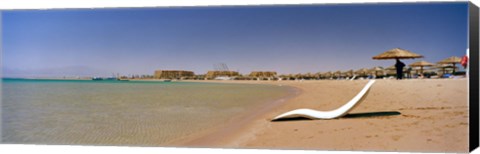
pixel 214 74
pixel 173 74
pixel 264 74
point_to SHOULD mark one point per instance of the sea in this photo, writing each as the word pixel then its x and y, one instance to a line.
pixel 125 113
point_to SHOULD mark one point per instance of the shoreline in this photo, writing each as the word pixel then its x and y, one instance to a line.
pixel 434 118
pixel 228 135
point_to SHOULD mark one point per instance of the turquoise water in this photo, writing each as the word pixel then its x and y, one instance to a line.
pixel 134 113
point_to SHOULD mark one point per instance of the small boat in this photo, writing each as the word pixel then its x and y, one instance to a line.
pixel 102 79
pixel 111 78
pixel 167 80
pixel 97 78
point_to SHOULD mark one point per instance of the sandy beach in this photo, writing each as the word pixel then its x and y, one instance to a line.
pixel 433 118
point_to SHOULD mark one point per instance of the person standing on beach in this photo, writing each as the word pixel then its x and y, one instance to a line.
pixel 399 65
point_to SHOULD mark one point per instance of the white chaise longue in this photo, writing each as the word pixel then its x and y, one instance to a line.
pixel 339 112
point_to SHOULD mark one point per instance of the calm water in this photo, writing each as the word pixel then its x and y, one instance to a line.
pixel 120 112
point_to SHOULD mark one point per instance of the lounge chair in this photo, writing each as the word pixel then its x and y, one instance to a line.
pixel 339 112
pixel 353 78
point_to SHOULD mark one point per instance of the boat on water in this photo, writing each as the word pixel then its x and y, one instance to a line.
pixel 167 80
pixel 111 78
pixel 97 78
pixel 105 79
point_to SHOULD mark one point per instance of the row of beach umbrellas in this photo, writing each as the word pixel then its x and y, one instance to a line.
pixel 377 71
pixel 398 53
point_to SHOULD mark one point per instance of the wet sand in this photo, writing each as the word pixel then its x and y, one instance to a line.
pixel 433 118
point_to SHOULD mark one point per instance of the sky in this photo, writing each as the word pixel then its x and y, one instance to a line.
pixel 287 39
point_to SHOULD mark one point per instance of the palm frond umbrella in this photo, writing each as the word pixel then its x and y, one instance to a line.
pixel 344 74
pixel 285 77
pixel 376 70
pixel 421 64
pixel 390 68
pixel 362 72
pixel 391 72
pixel 349 73
pixel 416 70
pixel 318 75
pixel 298 76
pixel 309 75
pixel 337 74
pixel 452 69
pixel 328 74
pixel 443 67
pixel 397 53
pixel 431 70
pixel 451 60
pixel 292 76
pixel 322 75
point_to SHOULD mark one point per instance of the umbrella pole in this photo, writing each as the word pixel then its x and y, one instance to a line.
pixel 453 72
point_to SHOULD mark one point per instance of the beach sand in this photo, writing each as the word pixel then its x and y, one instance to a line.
pixel 433 118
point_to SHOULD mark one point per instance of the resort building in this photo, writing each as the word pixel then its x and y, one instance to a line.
pixel 265 74
pixel 214 74
pixel 172 74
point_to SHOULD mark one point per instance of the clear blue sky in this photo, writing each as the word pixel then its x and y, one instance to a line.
pixel 286 39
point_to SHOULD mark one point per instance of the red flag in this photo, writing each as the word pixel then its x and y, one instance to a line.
pixel 464 61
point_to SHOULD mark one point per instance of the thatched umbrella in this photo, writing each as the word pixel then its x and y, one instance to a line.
pixel 391 68
pixel 451 60
pixel 349 73
pixel 416 70
pixel 443 67
pixel 309 75
pixel 421 64
pixel 397 53
pixel 298 76
pixel 362 71
pixel 328 74
pixel 322 75
pixel 288 76
pixel 337 74
pixel 431 69
pixel 318 75
pixel 376 70
pixel 344 74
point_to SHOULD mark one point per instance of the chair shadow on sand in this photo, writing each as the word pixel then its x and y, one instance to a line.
pixel 349 116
